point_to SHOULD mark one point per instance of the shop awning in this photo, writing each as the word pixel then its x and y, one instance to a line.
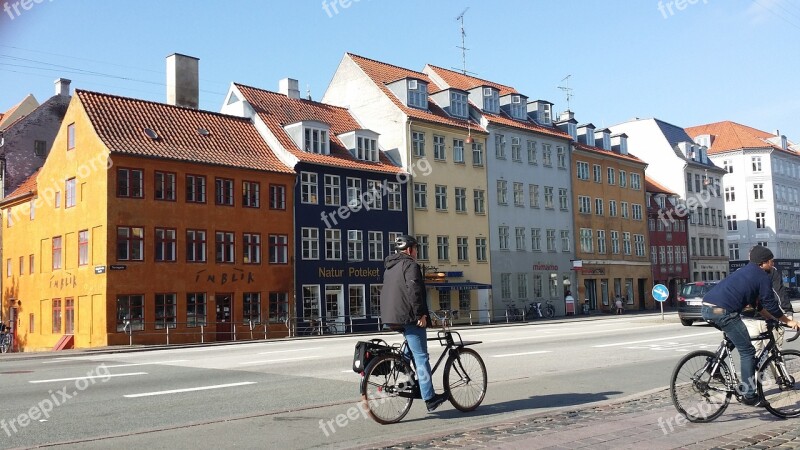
pixel 458 286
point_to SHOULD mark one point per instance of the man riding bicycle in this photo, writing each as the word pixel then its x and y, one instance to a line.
pixel 723 304
pixel 404 308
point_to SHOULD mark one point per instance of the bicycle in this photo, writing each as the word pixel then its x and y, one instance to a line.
pixel 513 313
pixel 6 341
pixel 703 382
pixel 389 383
pixel 535 310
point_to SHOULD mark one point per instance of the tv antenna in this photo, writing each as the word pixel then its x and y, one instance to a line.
pixel 463 47
pixel 566 89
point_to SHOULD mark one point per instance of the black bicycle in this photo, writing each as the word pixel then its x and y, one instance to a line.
pixel 703 382
pixel 389 384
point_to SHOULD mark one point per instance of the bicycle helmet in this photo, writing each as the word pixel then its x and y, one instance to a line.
pixel 404 241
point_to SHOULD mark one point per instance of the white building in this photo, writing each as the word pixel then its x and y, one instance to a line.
pixel 683 166
pixel 762 192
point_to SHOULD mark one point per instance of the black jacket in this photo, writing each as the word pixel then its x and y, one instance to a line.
pixel 780 290
pixel 403 293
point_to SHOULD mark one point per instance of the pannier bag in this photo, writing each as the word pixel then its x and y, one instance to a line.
pixel 366 351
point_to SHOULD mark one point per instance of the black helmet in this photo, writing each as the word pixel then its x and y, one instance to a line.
pixel 404 241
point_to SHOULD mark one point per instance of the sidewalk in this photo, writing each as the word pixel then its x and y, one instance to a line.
pixel 643 421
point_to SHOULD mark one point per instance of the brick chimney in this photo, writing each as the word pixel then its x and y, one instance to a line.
pixel 183 81
pixel 62 86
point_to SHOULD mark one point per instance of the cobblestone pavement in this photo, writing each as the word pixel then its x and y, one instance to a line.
pixel 647 421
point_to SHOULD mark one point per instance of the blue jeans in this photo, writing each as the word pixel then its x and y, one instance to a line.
pixel 731 323
pixel 417 339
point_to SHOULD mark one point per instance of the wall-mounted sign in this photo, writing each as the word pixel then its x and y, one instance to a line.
pixel 99 269
pixel 118 267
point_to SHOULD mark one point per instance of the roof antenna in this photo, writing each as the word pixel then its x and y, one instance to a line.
pixel 463 46
pixel 566 89
pixel 308 92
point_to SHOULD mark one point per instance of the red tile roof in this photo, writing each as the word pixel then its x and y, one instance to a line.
pixel 628 157
pixel 231 141
pixel 466 82
pixel 733 136
pixel 26 188
pixel 383 74
pixel 651 185
pixel 278 110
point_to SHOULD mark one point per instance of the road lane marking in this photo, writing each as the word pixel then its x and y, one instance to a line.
pixel 88 377
pixel 145 364
pixel 178 391
pixel 277 360
pixel 287 351
pixel 569 334
pixel 520 354
pixel 653 340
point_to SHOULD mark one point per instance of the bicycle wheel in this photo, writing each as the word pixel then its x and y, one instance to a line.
pixel 778 385
pixel 550 311
pixel 465 379
pixel 387 388
pixel 696 394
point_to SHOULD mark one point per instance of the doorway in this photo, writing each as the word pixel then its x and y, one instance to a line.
pixel 334 307
pixel 591 292
pixel 224 314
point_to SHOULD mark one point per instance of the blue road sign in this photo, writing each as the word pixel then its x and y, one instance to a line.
pixel 660 292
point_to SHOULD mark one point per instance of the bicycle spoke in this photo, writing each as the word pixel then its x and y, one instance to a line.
pixel 777 382
pixel 696 393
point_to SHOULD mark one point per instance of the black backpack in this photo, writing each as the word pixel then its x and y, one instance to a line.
pixel 366 351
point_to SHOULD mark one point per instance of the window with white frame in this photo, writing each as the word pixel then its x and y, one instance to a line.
pixel 730 194
pixel 353 192
pixel 536 239
pixel 582 170
pixel 308 188
pixel 636 181
pixel 597 173
pixel 479 197
pixel 551 239
pixel 502 192
pixel 443 248
pixel 612 208
pixel 502 234
pixel 423 249
pixel 310 243
pixel 598 206
pixel 758 191
pixel 461 199
pixel 458 151
pixel 417 94
pixel 615 242
pixel 420 195
pixel 333 244
pixel 611 176
pixel 518 107
pixel 462 248
pixel 520 235
pixel 548 197
pixel 367 149
pixel 756 163
pixel 311 301
pixel 418 143
pixel 316 140
pixel 375 245
pixel 624 207
pixel 441 197
pixel 516 149
pixel 439 152
pixel 733 251
pixel 601 241
pixel 563 199
pixel 533 193
pixel 480 249
pixel 355 245
pixel 332 190
pixel 561 155
pixel 727 164
pixel 375 197
pixel 623 179
pixel 584 204
pixel 733 225
pixel 458 104
pixel 375 300
pixel 522 285
pixel 225 247
pixel 477 154
pixel 519 196
pixel 505 285
pixel 638 240
pixel 761 220
pixel 499 146
pixel 565 241
pixel 356 300
pixel 626 242
pixel 537 285
pixel 587 240
pixel 532 153
pixel 637 211
pixel 491 100
pixel 547 155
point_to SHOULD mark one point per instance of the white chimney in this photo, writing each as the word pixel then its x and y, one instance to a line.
pixel 289 87
pixel 183 81
pixel 62 86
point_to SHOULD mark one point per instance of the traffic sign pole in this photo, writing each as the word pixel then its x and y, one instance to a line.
pixel 660 294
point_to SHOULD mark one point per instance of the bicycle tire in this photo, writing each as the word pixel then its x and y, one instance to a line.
pixel 550 311
pixel 465 379
pixel 696 394
pixel 387 389
pixel 781 396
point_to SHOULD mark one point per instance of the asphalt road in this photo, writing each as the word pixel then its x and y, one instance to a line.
pixel 289 394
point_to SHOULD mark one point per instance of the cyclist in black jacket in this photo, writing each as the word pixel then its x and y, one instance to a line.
pixel 404 308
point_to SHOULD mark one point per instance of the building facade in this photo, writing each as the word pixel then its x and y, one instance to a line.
pixel 529 196
pixel 611 230
pixel 149 224
pixel 679 164
pixel 426 130
pixel 350 204
pixel 669 241
pixel 761 189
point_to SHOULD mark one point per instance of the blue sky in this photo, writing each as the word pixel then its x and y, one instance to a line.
pixel 687 62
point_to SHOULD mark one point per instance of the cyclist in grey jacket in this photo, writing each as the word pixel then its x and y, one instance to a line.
pixel 404 308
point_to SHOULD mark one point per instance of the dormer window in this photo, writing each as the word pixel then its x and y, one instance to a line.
pixel 458 104
pixel 517 107
pixel 544 113
pixel 590 138
pixel 417 94
pixel 366 149
pixel 491 100
pixel 316 141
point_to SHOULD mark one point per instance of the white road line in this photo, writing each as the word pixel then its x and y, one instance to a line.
pixel 566 334
pixel 653 340
pixel 88 377
pixel 287 351
pixel 177 391
pixel 520 354
pixel 145 364
pixel 277 360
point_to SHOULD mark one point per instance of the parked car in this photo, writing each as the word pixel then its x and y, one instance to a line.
pixel 690 300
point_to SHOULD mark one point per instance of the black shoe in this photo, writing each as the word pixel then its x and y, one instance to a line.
pixel 751 401
pixel 435 401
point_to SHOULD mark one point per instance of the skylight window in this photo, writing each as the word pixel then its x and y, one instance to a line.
pixel 151 133
pixel 203 131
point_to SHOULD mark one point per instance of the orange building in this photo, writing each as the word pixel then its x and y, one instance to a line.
pixel 149 224
pixel 611 232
